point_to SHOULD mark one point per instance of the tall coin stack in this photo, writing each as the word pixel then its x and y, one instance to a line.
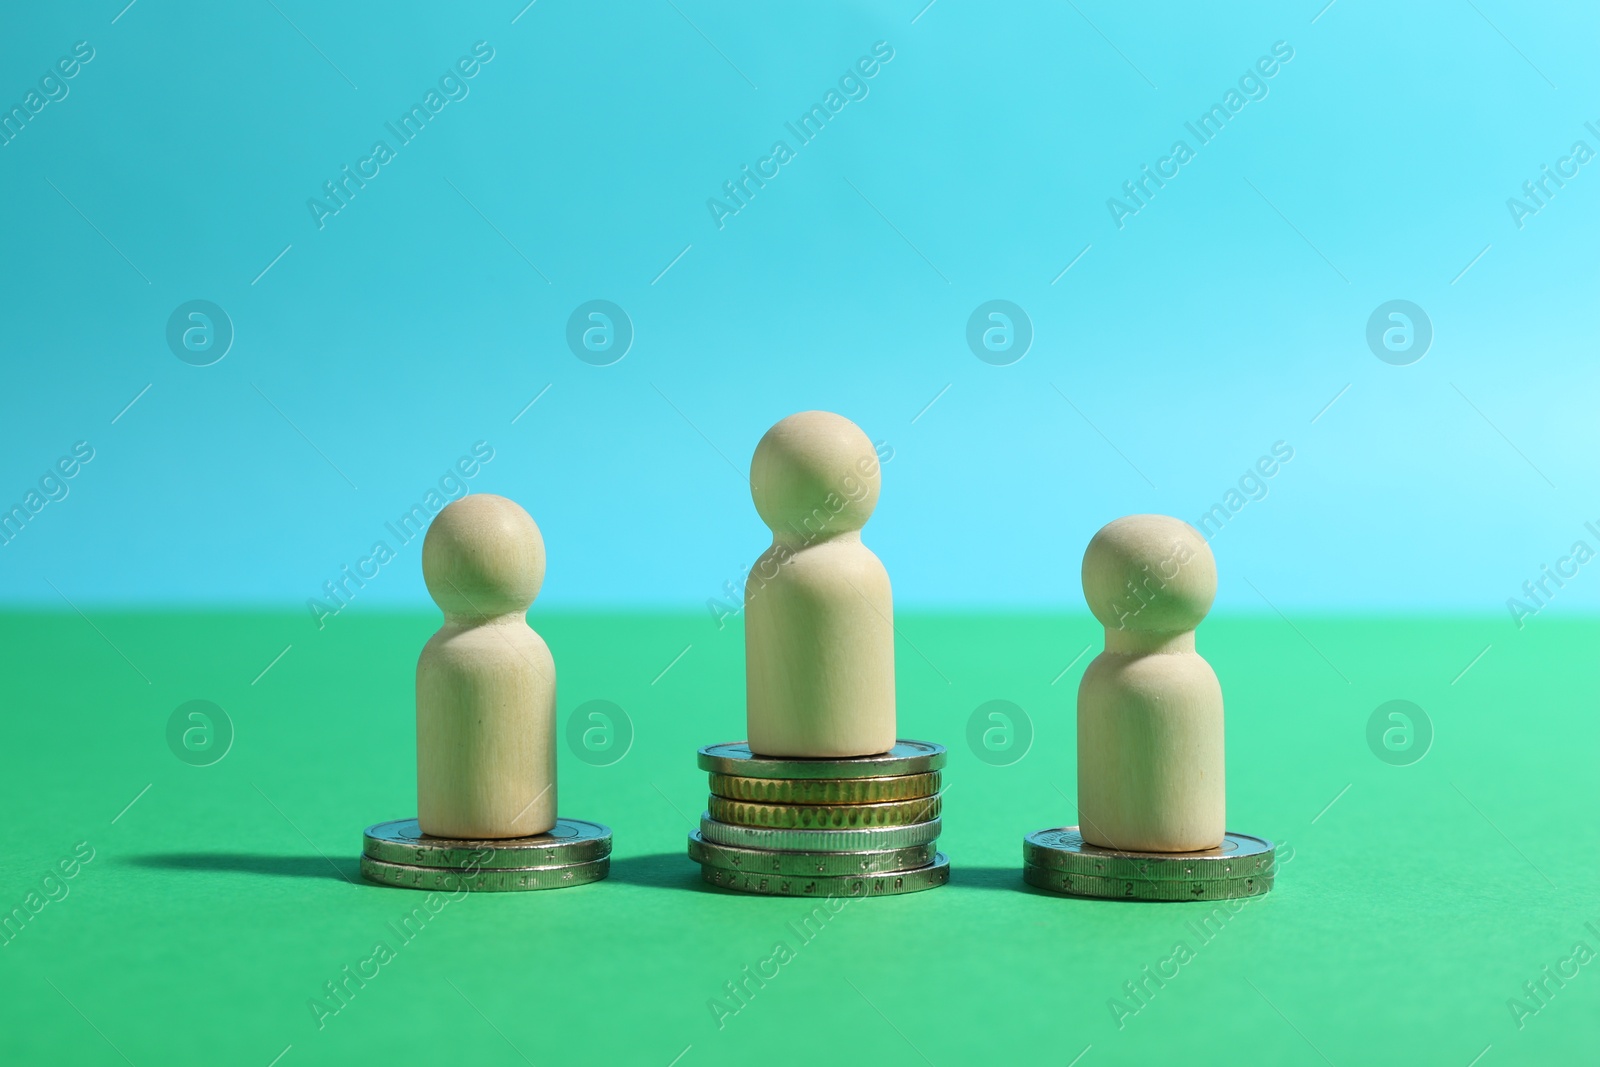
pixel 822 827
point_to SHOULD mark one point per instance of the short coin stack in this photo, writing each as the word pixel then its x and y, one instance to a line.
pixel 1061 861
pixel 571 853
pixel 822 827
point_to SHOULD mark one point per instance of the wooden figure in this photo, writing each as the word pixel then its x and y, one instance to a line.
pixel 819 632
pixel 1150 744
pixel 486 684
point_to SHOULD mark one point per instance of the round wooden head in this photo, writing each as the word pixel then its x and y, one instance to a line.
pixel 815 474
pixel 483 556
pixel 1150 573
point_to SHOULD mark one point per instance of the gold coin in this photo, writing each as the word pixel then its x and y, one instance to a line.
pixel 825 790
pixel 824 816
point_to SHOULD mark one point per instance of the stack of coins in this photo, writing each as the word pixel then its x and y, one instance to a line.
pixel 822 827
pixel 1061 861
pixel 399 854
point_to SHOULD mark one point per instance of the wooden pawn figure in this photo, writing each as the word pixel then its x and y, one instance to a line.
pixel 819 636
pixel 1150 744
pixel 486 684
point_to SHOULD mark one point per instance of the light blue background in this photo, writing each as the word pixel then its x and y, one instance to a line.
pixel 409 328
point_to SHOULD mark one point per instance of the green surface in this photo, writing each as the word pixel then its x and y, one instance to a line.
pixel 1413 909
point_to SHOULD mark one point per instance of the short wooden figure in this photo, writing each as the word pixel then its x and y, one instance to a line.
pixel 1150 742
pixel 486 684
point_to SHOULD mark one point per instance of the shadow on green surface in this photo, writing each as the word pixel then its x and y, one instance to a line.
pixel 339 868
pixel 659 870
pixel 1008 878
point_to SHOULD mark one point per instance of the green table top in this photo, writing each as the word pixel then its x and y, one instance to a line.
pixel 220 900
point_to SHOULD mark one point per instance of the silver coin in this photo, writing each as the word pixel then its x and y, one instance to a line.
pixel 906 757
pixel 1061 861
pixel 1088 885
pixel 766 861
pixel 1065 849
pixel 496 880
pixel 888 884
pixel 873 839
pixel 569 841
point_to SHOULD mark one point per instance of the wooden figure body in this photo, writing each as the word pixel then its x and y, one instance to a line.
pixel 819 632
pixel 1150 737
pixel 486 684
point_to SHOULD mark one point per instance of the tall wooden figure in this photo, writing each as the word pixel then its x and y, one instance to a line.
pixel 1150 742
pixel 486 684
pixel 819 635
